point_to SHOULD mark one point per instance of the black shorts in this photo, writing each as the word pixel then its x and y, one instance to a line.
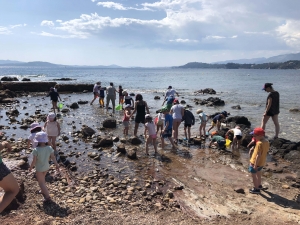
pixel 139 119
pixel 167 133
pixel 4 171
pixel 270 114
pixel 238 137
pixel 187 125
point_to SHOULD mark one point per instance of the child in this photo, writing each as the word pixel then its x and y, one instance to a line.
pixel 52 128
pixel 101 96
pixel 237 137
pixel 203 119
pixel 54 98
pixel 34 128
pixel 258 159
pixel 41 156
pixel 189 120
pixel 217 120
pixel 167 131
pixel 160 122
pixel 126 118
pixel 150 127
pixel 121 96
pixel 251 144
pixel 95 91
pixel 128 100
pixel 217 140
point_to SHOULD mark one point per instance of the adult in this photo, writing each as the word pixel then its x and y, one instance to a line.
pixel 169 92
pixel 177 112
pixel 170 99
pixel 140 108
pixel 111 96
pixel 272 108
pixel 217 120
pixel 96 91
pixel 7 181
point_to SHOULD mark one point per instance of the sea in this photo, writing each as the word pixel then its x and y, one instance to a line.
pixel 235 86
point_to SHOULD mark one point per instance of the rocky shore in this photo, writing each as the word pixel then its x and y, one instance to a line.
pixel 109 179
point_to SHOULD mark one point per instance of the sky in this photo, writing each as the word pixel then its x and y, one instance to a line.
pixel 145 32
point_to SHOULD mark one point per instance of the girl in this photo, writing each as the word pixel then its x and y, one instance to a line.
pixel 34 128
pixel 140 106
pixel 150 127
pixel 160 122
pixel 52 129
pixel 54 98
pixel 96 91
pixel 203 119
pixel 126 119
pixel 7 181
pixel 177 112
pixel 121 96
pixel 41 156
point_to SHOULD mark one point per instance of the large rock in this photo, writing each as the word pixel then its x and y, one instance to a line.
pixel 293 156
pixel 82 102
pixel 9 79
pixel 121 148
pixel 74 105
pixel 211 101
pixel 134 140
pixel 87 131
pixel 131 153
pixel 103 142
pixel 13 112
pixel 25 79
pixel 110 123
pixel 239 120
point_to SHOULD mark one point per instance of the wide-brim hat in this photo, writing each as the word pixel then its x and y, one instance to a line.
pixel 41 137
pixel 34 126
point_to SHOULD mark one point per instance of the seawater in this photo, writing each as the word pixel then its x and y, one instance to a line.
pixel 243 87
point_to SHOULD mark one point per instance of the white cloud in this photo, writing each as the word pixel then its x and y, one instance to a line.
pixel 46 34
pixel 4 30
pixel 113 5
pixel 290 33
pixel 47 23
pixel 58 21
pixel 179 40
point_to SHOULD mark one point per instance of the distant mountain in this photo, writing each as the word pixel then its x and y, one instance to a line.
pixel 9 62
pixel 273 59
pixel 34 64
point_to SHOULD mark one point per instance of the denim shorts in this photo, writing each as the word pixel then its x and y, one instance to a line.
pixel 4 171
pixel 252 170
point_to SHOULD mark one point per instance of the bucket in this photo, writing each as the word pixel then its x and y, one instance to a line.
pixel 60 105
pixel 119 107
pixel 228 142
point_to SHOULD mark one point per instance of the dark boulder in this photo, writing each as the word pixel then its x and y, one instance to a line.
pixel 131 94
pixel 239 120
pixel 104 142
pixel 236 107
pixel 293 156
pixel 74 105
pixel 110 123
pixel 9 79
pixel 294 110
pixel 82 102
pixel 25 79
pixel 13 112
pixel 209 102
pixel 182 102
pixel 131 153
pixel 87 131
pixel 156 98
pixel 134 140
pixel 121 148
pixel 65 110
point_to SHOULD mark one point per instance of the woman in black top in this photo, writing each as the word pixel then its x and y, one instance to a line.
pixel 272 108
pixel 140 107
pixel 54 98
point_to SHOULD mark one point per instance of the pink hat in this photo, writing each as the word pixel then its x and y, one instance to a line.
pixel 41 137
pixel 51 116
pixel 34 125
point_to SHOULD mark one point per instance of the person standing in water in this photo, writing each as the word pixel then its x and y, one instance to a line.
pixel 96 91
pixel 272 108
pixel 111 96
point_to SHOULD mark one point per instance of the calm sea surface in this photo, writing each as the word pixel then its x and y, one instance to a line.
pixel 241 87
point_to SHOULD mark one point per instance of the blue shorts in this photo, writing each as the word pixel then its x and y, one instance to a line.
pixel 221 143
pixel 167 133
pixel 252 170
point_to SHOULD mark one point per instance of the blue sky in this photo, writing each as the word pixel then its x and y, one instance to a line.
pixel 147 33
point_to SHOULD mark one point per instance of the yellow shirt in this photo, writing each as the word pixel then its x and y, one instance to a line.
pixel 261 147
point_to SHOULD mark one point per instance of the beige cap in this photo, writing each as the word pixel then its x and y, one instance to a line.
pixel 199 111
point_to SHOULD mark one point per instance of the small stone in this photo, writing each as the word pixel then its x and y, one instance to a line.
pixel 285 186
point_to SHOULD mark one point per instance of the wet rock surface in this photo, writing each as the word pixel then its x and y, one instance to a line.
pixel 211 101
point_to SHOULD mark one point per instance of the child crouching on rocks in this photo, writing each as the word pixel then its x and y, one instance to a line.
pixel 217 140
pixel 150 127
pixel 258 159
pixel 40 161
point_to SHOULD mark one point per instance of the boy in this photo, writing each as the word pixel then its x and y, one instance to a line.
pixel 167 131
pixel 189 120
pixel 217 140
pixel 237 137
pixel 258 158
pixel 217 120
pixel 203 119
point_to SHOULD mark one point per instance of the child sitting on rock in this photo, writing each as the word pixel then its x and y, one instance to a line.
pixel 34 128
pixel 150 127
pixel 40 161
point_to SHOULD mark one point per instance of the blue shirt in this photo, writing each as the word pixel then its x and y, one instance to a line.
pixel 169 118
pixel 170 100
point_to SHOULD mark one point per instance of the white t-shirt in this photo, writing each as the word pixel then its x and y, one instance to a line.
pixel 31 138
pixel 96 88
pixel 176 109
pixel 237 132
pixel 170 92
pixel 151 128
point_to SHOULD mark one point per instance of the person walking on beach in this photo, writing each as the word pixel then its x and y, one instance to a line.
pixel 159 120
pixel 170 99
pixel 40 161
pixel 170 92
pixel 111 96
pixel 272 108
pixel 140 107
pixel 167 131
pixel 54 98
pixel 203 119
pixel 237 137
pixel 95 91
pixel 34 128
pixel 150 127
pixel 121 96
pixel 258 159
pixel 177 112
pixel 189 120
pixel 52 129
pixel 217 120
pixel 7 181
pixel 126 118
